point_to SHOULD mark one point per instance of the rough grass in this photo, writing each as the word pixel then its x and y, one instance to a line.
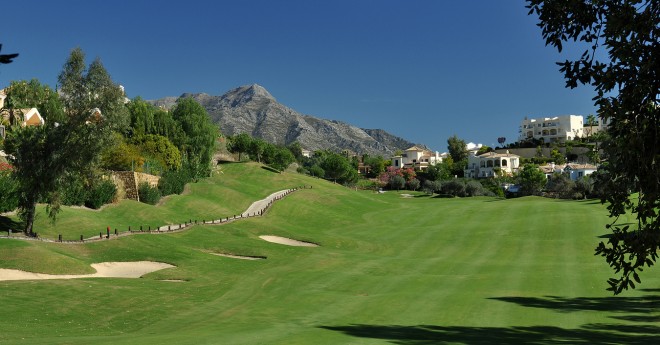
pixel 389 270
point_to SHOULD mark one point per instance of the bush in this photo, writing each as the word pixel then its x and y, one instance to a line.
pixel 8 192
pixel 454 187
pixel 74 191
pixel 474 188
pixel 173 182
pixel 102 193
pixel 148 195
pixel 413 184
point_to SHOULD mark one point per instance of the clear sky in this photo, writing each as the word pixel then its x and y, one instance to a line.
pixel 422 70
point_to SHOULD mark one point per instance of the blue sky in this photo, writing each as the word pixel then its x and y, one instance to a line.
pixel 422 70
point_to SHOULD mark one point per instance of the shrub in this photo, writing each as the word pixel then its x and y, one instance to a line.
pixel 8 192
pixel 148 195
pixel 74 191
pixel 102 193
pixel 413 184
pixel 454 187
pixel 173 182
pixel 397 182
pixel 474 188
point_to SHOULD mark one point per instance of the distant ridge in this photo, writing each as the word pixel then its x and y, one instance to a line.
pixel 252 109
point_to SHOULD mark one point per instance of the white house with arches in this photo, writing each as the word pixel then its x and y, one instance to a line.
pixel 490 164
pixel 417 158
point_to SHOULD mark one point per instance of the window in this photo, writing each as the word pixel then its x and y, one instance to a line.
pixel 504 162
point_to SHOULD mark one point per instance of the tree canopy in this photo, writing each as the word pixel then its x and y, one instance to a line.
pixel 626 80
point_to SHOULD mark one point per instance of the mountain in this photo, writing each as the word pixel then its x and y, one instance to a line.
pixel 252 109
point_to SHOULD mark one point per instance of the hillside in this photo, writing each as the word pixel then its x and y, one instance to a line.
pixel 252 109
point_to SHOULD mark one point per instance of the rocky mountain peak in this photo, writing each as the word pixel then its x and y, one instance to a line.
pixel 252 109
pixel 247 93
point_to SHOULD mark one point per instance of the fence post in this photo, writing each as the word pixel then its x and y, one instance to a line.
pixel 100 235
pixel 59 237
pixel 81 239
pixel 116 233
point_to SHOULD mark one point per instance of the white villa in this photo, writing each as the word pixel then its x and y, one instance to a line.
pixel 572 170
pixel 555 129
pixel 417 158
pixel 487 164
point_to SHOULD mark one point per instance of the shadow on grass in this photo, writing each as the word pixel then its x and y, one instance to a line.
pixel 429 334
pixel 7 223
pixel 641 304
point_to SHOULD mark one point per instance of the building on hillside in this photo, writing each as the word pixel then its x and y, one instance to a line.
pixel 573 170
pixel 578 171
pixel 491 164
pixel 555 129
pixel 417 158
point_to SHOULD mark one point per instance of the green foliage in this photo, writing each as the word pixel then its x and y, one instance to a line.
pixel 74 190
pixel 531 179
pixel 557 157
pixel 121 156
pixel 102 192
pixel 454 187
pixel 8 190
pixel 316 171
pixel 413 184
pixel 241 143
pixel 430 187
pixel 32 94
pixel 160 149
pixel 397 182
pixel 337 168
pixel 198 145
pixel 174 181
pixel 377 165
pixel 439 171
pixel 560 186
pixel 457 149
pixel 626 81
pixel 148 194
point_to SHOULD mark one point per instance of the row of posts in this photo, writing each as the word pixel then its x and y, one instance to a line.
pixel 190 222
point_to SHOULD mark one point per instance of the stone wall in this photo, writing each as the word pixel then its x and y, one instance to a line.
pixel 130 181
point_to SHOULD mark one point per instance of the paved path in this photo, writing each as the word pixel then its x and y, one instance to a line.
pixel 257 208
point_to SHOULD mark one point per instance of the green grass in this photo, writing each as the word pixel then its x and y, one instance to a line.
pixel 389 270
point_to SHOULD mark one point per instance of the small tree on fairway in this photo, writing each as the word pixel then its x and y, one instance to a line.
pixel 531 179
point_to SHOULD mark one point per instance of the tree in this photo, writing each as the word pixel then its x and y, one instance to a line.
pixel 531 179
pixel 33 94
pixel 458 153
pixel 256 148
pixel 240 143
pixel 397 182
pixel 626 80
pixel 43 155
pixel 199 134
pixel 338 168
pixel 591 122
pixel 457 148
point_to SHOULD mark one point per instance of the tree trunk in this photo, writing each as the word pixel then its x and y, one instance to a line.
pixel 29 220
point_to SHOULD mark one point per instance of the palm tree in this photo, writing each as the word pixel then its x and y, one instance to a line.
pixel 591 122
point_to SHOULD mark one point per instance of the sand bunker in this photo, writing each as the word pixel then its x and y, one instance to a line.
pixel 287 241
pixel 103 270
pixel 242 257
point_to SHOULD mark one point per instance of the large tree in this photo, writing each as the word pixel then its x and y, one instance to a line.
pixel 198 142
pixel 620 61
pixel 69 143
